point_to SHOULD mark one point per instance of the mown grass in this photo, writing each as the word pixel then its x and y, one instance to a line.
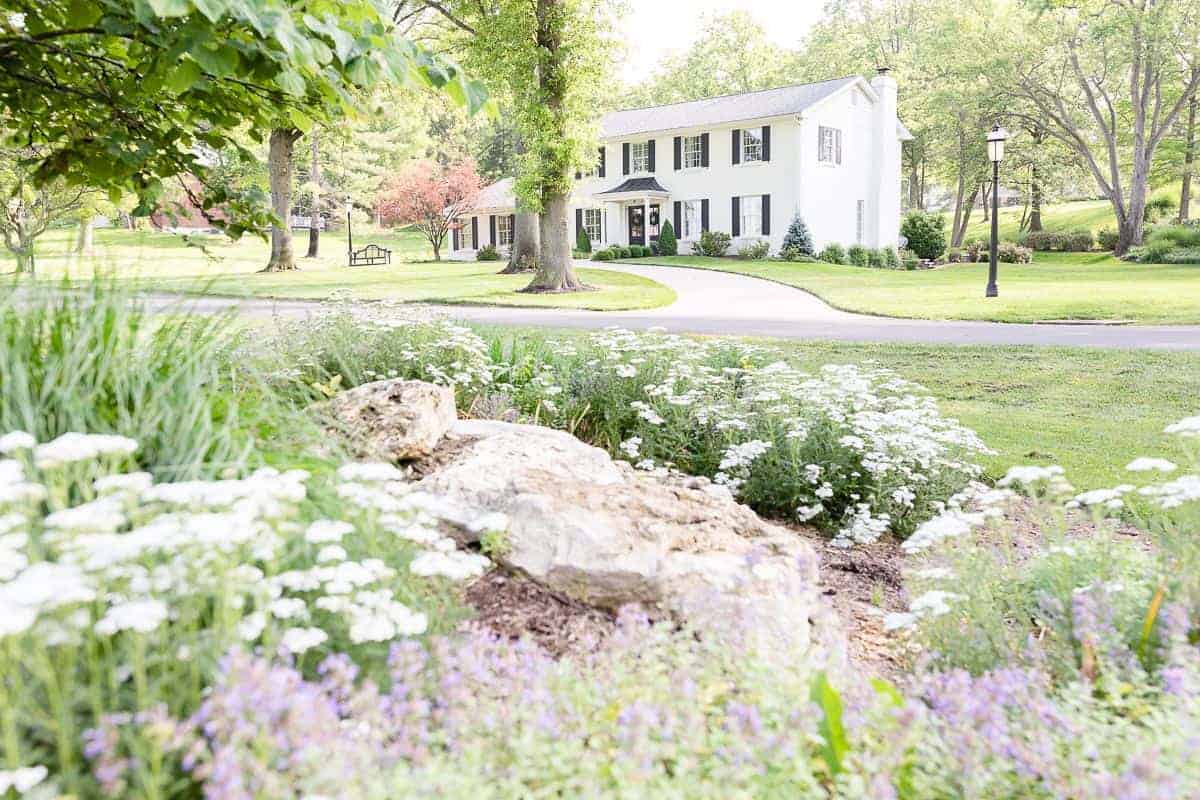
pixel 216 265
pixel 1088 410
pixel 1057 286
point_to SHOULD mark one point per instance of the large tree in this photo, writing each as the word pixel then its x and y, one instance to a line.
pixel 126 94
pixel 1111 80
pixel 29 208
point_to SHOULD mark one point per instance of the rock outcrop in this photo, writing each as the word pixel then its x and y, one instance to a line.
pixel 393 420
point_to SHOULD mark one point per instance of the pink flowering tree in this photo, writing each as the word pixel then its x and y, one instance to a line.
pixel 431 198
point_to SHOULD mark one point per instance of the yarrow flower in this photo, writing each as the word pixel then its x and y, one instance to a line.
pixel 1144 464
pixel 16 440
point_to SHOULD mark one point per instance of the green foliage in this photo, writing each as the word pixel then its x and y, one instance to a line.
pixel 668 245
pixel 1012 253
pixel 858 256
pixel 603 255
pixel 926 234
pixel 1073 240
pixel 909 260
pixel 1107 238
pixel 582 243
pixel 875 258
pixel 755 251
pixel 636 251
pixel 487 253
pixel 1169 244
pixel 798 238
pixel 712 243
pixel 183 78
pixel 1159 206
pixel 890 259
pixel 833 253
pixel 91 360
pixel 625 252
pixel 834 746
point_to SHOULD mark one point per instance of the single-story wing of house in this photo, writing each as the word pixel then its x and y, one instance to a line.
pixel 740 163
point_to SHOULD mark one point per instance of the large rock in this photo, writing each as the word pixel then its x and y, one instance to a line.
pixel 598 531
pixel 393 420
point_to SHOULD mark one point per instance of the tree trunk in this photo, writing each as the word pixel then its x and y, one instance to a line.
pixel 24 252
pixel 1035 199
pixel 279 170
pixel 85 242
pixel 1130 226
pixel 987 191
pixel 523 255
pixel 555 270
pixel 960 230
pixel 314 177
pixel 1189 161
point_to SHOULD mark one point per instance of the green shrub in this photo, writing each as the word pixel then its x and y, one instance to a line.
pixel 1012 253
pixel 1159 207
pixel 487 253
pixel 1184 255
pixel 833 253
pixel 798 238
pixel 582 243
pixel 638 251
pixel 755 251
pixel 712 243
pixel 1177 236
pixel 909 260
pixel 858 255
pixel 668 245
pixel 1107 239
pixel 625 252
pixel 875 258
pixel 1073 240
pixel 602 255
pixel 926 233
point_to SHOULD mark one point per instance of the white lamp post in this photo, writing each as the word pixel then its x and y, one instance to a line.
pixel 995 146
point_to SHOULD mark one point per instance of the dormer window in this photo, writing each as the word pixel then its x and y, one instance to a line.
pixel 639 157
pixel 752 145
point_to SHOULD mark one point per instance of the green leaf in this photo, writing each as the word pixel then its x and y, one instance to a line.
pixel 184 76
pixel 212 9
pixel 302 121
pixel 291 82
pixel 170 8
pixel 218 61
pixel 833 733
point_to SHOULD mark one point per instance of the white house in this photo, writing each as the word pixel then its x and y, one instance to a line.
pixel 741 163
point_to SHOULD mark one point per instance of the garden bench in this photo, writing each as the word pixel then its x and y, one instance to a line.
pixel 369 255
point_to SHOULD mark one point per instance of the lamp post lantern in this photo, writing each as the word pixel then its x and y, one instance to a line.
pixel 349 232
pixel 995 146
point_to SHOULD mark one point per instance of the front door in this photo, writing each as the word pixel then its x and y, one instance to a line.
pixel 637 225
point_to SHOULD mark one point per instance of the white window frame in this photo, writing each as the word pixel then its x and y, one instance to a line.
pixel 752 145
pixel 592 224
pixel 639 157
pixel 829 145
pixel 465 240
pixel 693 219
pixel 693 151
pixel 504 233
pixel 860 224
pixel 751 224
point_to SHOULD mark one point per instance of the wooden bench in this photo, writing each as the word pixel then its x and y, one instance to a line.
pixel 370 255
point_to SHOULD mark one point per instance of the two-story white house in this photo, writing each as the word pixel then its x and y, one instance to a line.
pixel 742 163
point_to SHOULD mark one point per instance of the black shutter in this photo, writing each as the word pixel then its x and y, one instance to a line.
pixel 704 149
pixel 678 152
pixel 650 159
pixel 736 228
pixel 512 228
pixel 475 232
pixel 737 146
pixel 625 158
pixel 766 213
pixel 766 143
pixel 704 214
pixel 678 219
pixel 600 171
pixel 454 237
pixel 578 223
pixel 492 226
pixel 578 174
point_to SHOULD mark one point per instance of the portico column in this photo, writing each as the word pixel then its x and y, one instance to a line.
pixel 646 221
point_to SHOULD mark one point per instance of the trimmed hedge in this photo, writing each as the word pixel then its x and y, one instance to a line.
pixel 926 233
pixel 487 253
pixel 1073 240
pixel 833 253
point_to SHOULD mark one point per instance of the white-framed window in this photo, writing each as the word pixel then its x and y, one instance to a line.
pixel 860 223
pixel 751 209
pixel 639 157
pixel 465 239
pixel 693 152
pixel 751 145
pixel 504 231
pixel 591 223
pixel 829 145
pixel 693 221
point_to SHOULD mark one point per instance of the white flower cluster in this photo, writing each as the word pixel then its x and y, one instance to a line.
pixel 131 556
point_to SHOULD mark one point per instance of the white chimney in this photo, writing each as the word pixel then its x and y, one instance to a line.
pixel 886 162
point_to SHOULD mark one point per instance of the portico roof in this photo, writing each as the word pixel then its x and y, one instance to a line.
pixel 635 187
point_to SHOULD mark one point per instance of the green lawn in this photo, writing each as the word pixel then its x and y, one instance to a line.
pixel 215 265
pixel 1056 286
pixel 1091 411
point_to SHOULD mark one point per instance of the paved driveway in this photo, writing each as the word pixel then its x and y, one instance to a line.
pixel 721 303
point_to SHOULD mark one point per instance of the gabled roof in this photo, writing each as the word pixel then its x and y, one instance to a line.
pixel 497 195
pixel 636 185
pixel 722 110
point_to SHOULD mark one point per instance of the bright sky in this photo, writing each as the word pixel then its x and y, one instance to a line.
pixel 654 28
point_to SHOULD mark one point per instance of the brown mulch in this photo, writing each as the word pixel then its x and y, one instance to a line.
pixel 511 605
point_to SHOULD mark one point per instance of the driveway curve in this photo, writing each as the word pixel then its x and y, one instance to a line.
pixel 720 303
